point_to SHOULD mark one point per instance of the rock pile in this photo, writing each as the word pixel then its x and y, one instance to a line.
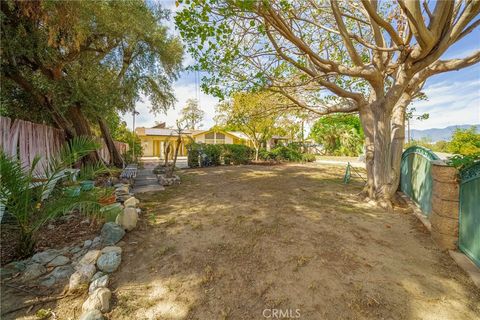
pixel 87 266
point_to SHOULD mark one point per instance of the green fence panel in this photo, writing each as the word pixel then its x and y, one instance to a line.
pixel 416 176
pixel 469 219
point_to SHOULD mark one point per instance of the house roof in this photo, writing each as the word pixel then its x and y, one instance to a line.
pixel 236 134
pixel 160 132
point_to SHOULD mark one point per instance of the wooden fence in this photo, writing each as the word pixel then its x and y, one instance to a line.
pixel 25 140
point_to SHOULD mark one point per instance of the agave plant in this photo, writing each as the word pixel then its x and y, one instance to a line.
pixel 32 201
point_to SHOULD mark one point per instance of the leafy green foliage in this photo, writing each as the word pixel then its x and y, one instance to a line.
pixel 339 134
pixel 439 146
pixel 237 154
pixel 101 56
pixel 291 152
pixel 465 142
pixel 464 161
pixel 211 154
pixel 24 196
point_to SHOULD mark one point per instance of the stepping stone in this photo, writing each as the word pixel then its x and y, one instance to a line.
pixel 146 182
pixel 148 188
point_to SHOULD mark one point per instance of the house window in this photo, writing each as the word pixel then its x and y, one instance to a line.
pixel 220 138
pixel 210 138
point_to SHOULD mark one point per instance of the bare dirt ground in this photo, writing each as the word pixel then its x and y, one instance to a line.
pixel 237 242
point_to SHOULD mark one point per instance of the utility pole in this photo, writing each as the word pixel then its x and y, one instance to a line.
pixel 419 117
pixel 134 113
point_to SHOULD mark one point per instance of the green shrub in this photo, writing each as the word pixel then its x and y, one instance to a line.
pixel 237 154
pixel 212 153
pixel 194 151
pixel 287 153
pixel 461 162
pixel 309 157
pixel 266 155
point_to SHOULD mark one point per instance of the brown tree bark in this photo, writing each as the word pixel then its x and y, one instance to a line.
pixel 82 128
pixel 115 157
pixel 366 118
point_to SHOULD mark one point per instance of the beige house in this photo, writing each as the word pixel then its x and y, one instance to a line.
pixel 155 140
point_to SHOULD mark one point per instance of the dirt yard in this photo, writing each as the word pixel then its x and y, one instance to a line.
pixel 250 242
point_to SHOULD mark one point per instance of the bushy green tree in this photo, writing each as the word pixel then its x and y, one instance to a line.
pixel 78 61
pixel 339 134
pixel 465 142
pixel 252 114
pixel 370 57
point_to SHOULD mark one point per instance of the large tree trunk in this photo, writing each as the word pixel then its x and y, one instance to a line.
pixel 381 154
pixel 397 142
pixel 82 128
pixel 366 118
pixel 115 157
pixel 384 139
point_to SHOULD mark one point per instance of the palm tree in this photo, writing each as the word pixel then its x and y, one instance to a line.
pixel 32 202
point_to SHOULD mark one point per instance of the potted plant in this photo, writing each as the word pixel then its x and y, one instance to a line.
pixel 71 189
pixel 107 196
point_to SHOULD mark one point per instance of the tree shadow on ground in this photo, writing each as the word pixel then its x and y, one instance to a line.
pixel 232 242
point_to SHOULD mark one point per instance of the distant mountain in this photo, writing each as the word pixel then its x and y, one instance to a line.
pixel 438 134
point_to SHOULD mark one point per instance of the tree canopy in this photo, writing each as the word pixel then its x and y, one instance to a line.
pixel 339 134
pixel 191 114
pixel 333 56
pixel 251 113
pixel 78 60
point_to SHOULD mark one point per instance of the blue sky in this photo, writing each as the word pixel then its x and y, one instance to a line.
pixel 453 98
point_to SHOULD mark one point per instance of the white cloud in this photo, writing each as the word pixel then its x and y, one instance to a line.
pixel 449 103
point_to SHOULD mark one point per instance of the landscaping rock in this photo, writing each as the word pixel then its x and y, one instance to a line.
pixel 92 315
pixel 97 241
pixel 115 249
pixel 109 261
pixel 45 256
pixel 80 278
pixel 48 281
pixel 75 250
pixel 101 282
pixel 90 257
pixel 59 273
pixel 131 202
pixel 58 261
pixel 98 300
pixel 62 272
pixel 87 244
pixel 13 268
pixel 122 189
pixel 7 272
pixel 97 275
pixel 112 233
pixel 33 271
pixel 79 254
pixel 128 219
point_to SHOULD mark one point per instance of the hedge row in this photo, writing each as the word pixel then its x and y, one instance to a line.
pixel 213 154
pixel 291 152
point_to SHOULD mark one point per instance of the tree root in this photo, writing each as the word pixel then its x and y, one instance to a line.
pixel 39 301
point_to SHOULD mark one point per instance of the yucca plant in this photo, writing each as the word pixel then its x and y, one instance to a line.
pixel 33 203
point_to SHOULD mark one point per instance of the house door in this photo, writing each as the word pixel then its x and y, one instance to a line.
pixel 156 148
